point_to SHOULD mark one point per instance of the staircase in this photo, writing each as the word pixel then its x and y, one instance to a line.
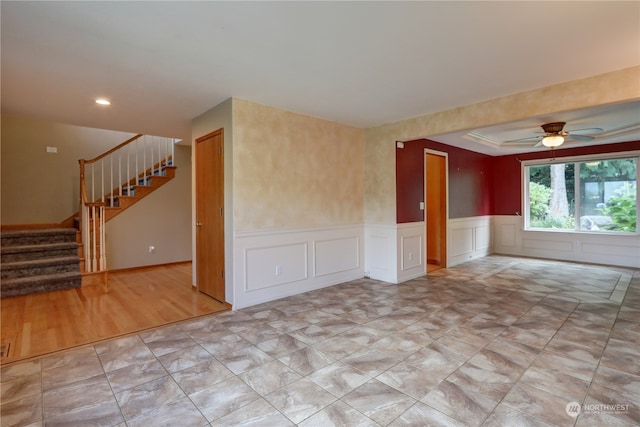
pixel 45 259
pixel 38 260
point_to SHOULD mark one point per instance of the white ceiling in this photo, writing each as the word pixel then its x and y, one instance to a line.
pixel 358 63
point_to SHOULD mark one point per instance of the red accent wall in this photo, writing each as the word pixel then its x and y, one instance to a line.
pixel 470 181
pixel 478 184
pixel 507 188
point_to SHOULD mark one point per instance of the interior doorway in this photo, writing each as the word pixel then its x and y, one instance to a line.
pixel 209 159
pixel 435 188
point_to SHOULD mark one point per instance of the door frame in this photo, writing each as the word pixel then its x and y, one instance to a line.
pixel 444 187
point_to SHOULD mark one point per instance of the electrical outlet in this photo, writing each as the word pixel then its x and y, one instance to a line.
pixel 278 270
pixel 152 249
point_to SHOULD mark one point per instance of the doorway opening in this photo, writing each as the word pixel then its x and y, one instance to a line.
pixel 436 212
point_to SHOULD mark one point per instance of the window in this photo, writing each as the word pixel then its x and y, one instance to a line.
pixel 585 195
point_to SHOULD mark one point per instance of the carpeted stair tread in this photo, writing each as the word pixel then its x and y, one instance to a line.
pixel 43 278
pixel 40 247
pixel 39 232
pixel 32 267
pixel 39 260
pixel 27 252
pixel 44 283
pixel 36 236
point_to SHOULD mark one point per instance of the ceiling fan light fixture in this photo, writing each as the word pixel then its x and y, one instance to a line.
pixel 553 141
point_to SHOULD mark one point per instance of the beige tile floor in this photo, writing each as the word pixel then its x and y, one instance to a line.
pixel 498 341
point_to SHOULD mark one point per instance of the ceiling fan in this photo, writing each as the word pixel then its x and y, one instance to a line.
pixel 555 135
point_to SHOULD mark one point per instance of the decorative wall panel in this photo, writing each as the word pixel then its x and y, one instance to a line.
pixel 272 265
pixel 275 265
pixel 469 238
pixel 336 255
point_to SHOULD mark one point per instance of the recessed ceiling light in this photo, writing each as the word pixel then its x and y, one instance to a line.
pixel 103 101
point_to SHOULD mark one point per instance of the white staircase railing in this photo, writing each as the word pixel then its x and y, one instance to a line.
pixel 105 179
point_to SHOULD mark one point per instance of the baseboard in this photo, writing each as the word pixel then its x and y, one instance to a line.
pixel 469 256
pixel 150 267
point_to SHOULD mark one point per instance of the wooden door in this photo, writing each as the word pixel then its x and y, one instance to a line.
pixel 436 209
pixel 210 214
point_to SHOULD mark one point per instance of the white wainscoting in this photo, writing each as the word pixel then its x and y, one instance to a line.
pixel 395 253
pixel 412 245
pixel 469 238
pixel 381 252
pixel 273 265
pixel 511 239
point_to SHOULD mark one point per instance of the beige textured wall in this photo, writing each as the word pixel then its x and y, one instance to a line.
pixel 39 187
pixel 294 171
pixel 380 192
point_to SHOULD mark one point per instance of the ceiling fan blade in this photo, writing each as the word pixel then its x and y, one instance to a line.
pixel 539 144
pixel 579 137
pixel 588 130
pixel 524 140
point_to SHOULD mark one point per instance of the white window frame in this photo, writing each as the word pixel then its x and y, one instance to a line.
pixel 525 164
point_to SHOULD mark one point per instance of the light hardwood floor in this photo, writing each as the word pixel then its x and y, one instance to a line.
pixel 432 267
pixel 34 325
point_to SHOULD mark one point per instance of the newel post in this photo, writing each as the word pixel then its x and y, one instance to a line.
pixel 81 193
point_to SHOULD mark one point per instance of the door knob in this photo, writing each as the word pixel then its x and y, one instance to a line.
pixel 198 224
